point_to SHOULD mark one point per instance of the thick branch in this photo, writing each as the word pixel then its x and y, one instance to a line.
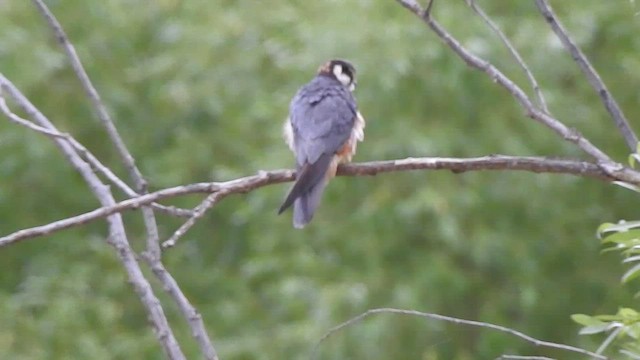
pixel 516 333
pixel 264 178
pixel 592 75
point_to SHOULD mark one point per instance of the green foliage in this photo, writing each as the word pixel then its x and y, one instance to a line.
pixel 624 326
pixel 199 90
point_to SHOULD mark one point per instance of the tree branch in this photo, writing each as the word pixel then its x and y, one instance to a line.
pixel 117 234
pixel 527 338
pixel 152 254
pixel 91 92
pixel 496 75
pixel 191 315
pixel 264 178
pixel 199 212
pixel 473 4
pixel 592 75
pixel 83 152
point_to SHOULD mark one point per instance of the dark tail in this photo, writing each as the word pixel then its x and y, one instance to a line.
pixel 307 190
pixel 305 206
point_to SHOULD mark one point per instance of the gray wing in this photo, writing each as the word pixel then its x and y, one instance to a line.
pixel 321 122
pixel 322 118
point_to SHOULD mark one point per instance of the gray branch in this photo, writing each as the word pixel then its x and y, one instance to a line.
pixel 473 4
pixel 264 178
pixel 591 74
pixel 92 93
pixel 117 234
pixel 503 329
pixel 152 254
pixel 95 163
pixel 497 76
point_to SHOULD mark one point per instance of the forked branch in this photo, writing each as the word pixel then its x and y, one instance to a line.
pixel 264 178
pixel 591 74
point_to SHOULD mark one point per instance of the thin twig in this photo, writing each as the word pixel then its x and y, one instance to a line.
pixel 523 357
pixel 87 155
pixel 117 234
pixel 92 93
pixel 199 212
pixel 193 317
pixel 153 253
pixel 609 339
pixel 473 4
pixel 104 117
pixel 530 339
pixel 496 75
pixel 264 178
pixel 592 75
pixel 630 354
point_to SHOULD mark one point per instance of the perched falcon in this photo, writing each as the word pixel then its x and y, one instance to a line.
pixel 323 128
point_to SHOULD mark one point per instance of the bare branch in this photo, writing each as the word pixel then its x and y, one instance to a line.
pixel 521 357
pixel 85 154
pixel 105 119
pixel 199 212
pixel 90 90
pixel 527 338
pixel 264 178
pixel 496 75
pixel 152 254
pixel 192 316
pixel 592 75
pixel 117 235
pixel 630 354
pixel 516 55
pixel 610 339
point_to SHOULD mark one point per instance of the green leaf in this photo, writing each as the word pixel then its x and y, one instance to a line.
pixel 627 239
pixel 628 314
pixel 594 329
pixel 633 158
pixel 626 185
pixel 622 225
pixel 586 320
pixel 604 228
pixel 631 273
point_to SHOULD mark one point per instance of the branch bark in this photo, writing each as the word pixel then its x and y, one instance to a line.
pixel 264 178
pixel 503 329
pixel 152 254
pixel 473 4
pixel 605 170
pixel 591 74
pixel 569 134
pixel 117 234
pixel 95 163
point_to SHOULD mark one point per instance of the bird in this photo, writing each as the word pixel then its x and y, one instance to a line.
pixel 323 129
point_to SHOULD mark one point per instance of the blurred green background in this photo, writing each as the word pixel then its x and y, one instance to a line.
pixel 199 90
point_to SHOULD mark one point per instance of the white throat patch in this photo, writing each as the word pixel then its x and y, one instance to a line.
pixel 341 76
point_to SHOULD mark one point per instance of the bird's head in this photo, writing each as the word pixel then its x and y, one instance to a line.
pixel 341 70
